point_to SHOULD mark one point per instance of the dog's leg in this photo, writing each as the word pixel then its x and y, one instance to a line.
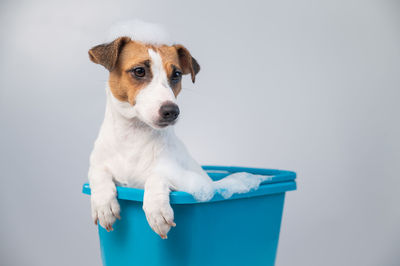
pixel 159 213
pixel 105 206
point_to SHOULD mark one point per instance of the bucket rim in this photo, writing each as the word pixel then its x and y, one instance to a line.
pixel 280 181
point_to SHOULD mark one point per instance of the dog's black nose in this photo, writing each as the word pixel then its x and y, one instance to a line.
pixel 169 112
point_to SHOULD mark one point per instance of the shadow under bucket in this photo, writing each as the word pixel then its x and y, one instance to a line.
pixel 241 230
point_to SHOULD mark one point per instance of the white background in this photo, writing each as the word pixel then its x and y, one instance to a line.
pixel 309 86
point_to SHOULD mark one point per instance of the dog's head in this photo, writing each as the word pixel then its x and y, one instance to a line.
pixel 145 79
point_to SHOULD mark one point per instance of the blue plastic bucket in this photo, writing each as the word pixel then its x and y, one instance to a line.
pixel 241 230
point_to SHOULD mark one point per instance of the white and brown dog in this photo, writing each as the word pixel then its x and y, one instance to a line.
pixel 137 146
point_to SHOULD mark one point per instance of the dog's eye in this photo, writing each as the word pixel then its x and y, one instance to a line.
pixel 176 76
pixel 139 72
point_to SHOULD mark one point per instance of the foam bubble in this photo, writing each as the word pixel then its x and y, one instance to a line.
pixel 138 30
pixel 236 183
pixel 239 183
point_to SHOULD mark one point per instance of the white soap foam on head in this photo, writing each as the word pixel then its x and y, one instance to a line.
pixel 138 30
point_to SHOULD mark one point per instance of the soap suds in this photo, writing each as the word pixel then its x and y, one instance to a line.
pixel 239 183
pixel 138 30
pixel 236 183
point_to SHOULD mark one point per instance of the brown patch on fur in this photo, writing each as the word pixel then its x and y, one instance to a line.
pixel 107 54
pixel 123 84
pixel 121 56
pixel 187 62
pixel 171 63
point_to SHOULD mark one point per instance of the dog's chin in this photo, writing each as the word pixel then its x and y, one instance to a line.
pixel 157 124
pixel 162 125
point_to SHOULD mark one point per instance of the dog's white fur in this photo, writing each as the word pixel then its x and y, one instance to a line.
pixel 132 151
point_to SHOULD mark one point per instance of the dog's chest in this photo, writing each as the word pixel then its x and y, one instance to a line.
pixel 132 161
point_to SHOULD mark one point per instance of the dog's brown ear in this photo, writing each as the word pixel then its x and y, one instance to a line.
pixel 107 54
pixel 187 62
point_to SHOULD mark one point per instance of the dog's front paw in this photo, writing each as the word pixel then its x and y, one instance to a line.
pixel 105 210
pixel 160 217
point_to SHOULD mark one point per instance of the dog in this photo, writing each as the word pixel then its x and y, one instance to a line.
pixel 136 145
